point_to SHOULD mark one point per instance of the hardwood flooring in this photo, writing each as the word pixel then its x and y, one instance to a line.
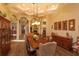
pixel 63 52
pixel 18 48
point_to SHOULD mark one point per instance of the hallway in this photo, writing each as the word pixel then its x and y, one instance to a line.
pixel 18 48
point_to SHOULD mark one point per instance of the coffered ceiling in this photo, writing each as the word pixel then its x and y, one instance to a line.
pixel 31 9
pixel 27 9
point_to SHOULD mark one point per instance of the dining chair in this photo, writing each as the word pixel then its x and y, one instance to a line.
pixel 30 51
pixel 47 49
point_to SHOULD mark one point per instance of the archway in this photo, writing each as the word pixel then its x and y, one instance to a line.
pixel 23 27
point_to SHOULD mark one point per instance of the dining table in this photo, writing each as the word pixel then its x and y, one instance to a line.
pixel 35 43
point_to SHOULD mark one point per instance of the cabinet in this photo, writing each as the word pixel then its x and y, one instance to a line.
pixel 5 36
pixel 64 42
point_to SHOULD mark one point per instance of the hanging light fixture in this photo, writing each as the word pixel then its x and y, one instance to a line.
pixel 35 18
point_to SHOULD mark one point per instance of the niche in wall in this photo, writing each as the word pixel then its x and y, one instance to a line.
pixel 72 24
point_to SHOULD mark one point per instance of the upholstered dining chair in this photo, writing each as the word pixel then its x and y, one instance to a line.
pixel 47 49
pixel 30 50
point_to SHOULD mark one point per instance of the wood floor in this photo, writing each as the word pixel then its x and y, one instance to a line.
pixel 18 48
pixel 63 52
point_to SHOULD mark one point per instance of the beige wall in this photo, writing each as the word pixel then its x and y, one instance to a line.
pixel 70 11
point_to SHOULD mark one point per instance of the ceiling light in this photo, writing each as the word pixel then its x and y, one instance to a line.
pixel 54 7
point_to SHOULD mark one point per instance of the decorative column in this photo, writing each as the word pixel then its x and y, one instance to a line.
pixel 17 36
pixel 20 33
pixel 29 26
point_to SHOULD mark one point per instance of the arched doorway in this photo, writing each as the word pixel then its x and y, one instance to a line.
pixel 23 22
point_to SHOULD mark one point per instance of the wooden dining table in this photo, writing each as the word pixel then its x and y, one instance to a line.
pixel 35 43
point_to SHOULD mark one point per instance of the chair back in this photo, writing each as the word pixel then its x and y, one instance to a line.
pixel 47 49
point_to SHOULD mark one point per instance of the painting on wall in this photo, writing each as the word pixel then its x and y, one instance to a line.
pixel 59 25
pixel 64 25
pixel 72 24
pixel 55 26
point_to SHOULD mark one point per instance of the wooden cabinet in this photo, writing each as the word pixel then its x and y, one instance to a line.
pixel 63 41
pixel 5 36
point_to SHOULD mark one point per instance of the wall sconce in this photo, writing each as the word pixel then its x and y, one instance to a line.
pixel 71 25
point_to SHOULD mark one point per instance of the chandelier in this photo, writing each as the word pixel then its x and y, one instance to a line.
pixel 35 17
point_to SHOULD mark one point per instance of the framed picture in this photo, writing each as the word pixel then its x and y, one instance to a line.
pixel 64 25
pixel 55 26
pixel 72 24
pixel 59 25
